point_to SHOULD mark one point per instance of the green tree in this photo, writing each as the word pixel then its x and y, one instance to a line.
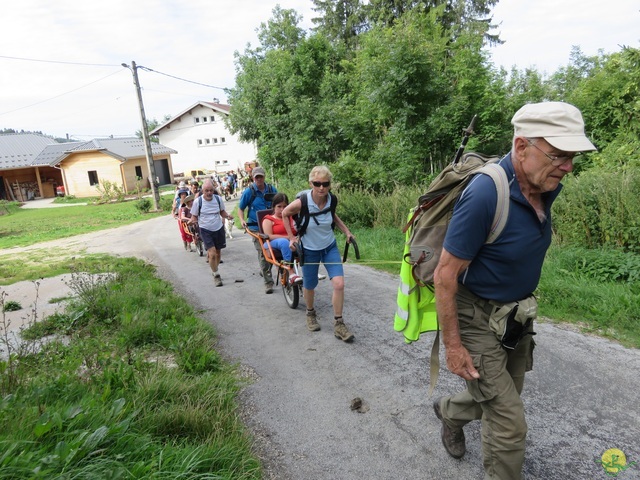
pixel 340 21
pixel 456 15
pixel 152 125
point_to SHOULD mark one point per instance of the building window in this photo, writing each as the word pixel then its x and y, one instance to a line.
pixel 204 119
pixel 222 140
pixel 138 172
pixel 199 142
pixel 197 119
pixel 93 177
pixel 207 141
pixel 213 119
pixel 215 140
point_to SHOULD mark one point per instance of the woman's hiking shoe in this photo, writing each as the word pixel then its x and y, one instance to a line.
pixel 295 279
pixel 341 331
pixel 312 321
pixel 452 438
pixel 217 280
pixel 268 288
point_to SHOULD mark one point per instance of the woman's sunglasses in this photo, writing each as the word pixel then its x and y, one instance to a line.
pixel 321 184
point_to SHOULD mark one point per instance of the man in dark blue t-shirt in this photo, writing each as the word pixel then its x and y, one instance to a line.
pixel 254 198
pixel 484 292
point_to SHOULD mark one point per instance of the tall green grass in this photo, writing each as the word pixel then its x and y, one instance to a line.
pixel 135 391
pixel 588 278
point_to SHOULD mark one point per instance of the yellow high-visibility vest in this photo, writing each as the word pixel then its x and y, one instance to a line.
pixel 416 312
pixel 416 309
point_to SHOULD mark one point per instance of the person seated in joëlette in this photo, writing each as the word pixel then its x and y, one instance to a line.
pixel 273 226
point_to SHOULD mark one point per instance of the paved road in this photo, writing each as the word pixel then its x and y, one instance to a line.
pixel 581 399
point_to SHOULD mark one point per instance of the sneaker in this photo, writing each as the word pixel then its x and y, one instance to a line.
pixel 312 321
pixel 452 438
pixel 268 288
pixel 321 276
pixel 217 280
pixel 341 331
pixel 295 279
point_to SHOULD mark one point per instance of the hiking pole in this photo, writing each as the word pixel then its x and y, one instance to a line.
pixel 467 133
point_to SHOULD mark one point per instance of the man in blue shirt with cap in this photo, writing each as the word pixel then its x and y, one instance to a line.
pixel 255 198
pixel 484 292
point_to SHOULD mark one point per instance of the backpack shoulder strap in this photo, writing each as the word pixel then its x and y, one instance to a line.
pixel 302 221
pixel 334 205
pixel 499 177
pixel 253 195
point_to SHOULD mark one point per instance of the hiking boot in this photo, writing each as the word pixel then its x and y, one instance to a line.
pixel 341 331
pixel 268 288
pixel 217 280
pixel 452 438
pixel 312 321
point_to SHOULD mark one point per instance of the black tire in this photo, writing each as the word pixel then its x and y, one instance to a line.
pixel 291 292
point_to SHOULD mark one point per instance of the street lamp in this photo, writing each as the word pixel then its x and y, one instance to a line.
pixel 145 137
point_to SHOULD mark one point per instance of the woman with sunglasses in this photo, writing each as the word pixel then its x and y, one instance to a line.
pixel 319 246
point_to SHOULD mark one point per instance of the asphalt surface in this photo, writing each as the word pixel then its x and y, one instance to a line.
pixel 581 398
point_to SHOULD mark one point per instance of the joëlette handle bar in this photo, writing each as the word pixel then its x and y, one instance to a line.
pixel 346 249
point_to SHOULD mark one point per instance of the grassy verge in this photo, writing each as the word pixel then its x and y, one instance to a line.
pixel 71 200
pixel 136 390
pixel 597 290
pixel 28 226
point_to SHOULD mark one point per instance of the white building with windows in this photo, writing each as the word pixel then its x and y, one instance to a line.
pixel 202 141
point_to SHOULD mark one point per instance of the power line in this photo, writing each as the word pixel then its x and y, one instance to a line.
pixel 110 65
pixel 179 78
pixel 64 63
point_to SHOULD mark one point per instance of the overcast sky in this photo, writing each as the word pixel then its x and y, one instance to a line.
pixel 78 86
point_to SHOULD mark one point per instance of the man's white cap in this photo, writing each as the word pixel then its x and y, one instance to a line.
pixel 559 123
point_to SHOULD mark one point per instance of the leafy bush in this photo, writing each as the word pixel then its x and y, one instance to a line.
pixel 600 208
pixel 143 205
pixel 392 210
pixel 603 264
pixel 110 191
pixel 356 207
pixel 166 203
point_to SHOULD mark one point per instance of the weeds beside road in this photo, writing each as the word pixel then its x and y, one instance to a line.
pixel 131 387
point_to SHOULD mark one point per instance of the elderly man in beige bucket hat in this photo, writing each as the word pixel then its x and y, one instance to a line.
pixel 484 292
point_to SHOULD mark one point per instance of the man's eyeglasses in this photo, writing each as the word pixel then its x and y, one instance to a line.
pixel 556 160
pixel 321 184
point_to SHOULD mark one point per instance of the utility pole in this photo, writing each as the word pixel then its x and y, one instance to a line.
pixel 145 137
